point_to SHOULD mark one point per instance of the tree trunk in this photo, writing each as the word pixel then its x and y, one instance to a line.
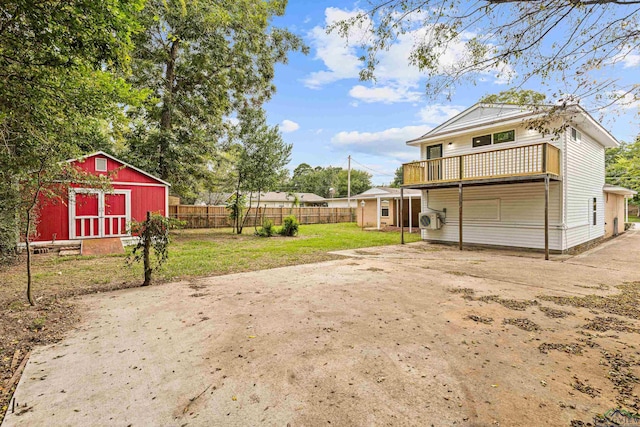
pixel 147 252
pixel 28 243
pixel 167 108
pixel 245 216
pixel 255 222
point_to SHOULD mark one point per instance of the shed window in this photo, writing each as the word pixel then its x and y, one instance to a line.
pixel 594 208
pixel 101 164
pixel 384 208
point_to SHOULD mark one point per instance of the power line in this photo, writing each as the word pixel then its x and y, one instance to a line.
pixel 371 169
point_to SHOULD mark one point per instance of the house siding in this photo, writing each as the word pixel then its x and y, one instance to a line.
pixel 520 220
pixel 461 145
pixel 584 179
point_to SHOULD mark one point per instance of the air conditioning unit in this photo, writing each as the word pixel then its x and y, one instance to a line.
pixel 430 221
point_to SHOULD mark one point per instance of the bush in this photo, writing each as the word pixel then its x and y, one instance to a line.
pixel 290 226
pixel 267 229
pixel 153 234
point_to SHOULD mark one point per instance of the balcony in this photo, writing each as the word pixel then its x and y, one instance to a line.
pixel 523 163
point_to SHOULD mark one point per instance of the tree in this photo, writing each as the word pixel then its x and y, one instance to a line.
pixel 153 233
pixel 202 60
pixel 573 42
pixel 360 181
pixel 623 167
pixel 398 178
pixel 320 180
pixel 262 156
pixel 60 93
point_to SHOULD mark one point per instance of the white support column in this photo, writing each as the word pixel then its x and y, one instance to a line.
pixel 397 212
pixel 410 217
pixel 626 209
pixel 378 211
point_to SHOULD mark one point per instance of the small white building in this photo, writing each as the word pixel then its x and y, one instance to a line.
pixel 487 178
pixel 282 199
pixel 382 207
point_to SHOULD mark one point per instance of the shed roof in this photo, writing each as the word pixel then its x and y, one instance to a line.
pixel 102 153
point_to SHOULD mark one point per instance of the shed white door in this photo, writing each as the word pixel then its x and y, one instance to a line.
pixel 94 213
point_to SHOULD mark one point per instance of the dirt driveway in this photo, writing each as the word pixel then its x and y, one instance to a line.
pixel 414 335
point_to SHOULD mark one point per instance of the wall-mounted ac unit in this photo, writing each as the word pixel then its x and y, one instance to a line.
pixel 430 221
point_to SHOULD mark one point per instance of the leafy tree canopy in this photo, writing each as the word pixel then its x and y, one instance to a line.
pixel 623 166
pixel 262 156
pixel 566 46
pixel 202 61
pixel 398 178
pixel 321 180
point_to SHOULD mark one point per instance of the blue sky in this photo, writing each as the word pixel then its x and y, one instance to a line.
pixel 327 113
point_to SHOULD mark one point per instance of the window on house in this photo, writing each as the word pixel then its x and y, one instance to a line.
pixel 101 164
pixel 506 136
pixel 495 138
pixel 480 141
pixel 384 208
pixel 594 209
pixel 576 135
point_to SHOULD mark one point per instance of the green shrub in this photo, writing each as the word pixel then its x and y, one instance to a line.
pixel 290 226
pixel 267 229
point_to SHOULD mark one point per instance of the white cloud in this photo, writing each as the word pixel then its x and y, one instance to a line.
pixel 439 113
pixel 386 94
pixel 626 100
pixel 289 126
pixel 389 143
pixel 338 54
pixel 629 59
pixel 397 78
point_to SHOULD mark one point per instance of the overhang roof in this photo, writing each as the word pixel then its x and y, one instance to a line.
pixel 510 114
pixel 616 189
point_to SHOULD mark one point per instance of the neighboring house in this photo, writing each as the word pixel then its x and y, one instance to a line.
pixel 382 207
pixel 616 202
pixel 512 185
pixel 281 199
pixel 91 213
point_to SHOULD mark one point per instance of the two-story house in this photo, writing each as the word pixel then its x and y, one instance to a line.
pixel 493 180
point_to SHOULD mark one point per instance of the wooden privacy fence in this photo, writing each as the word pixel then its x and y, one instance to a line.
pixel 218 216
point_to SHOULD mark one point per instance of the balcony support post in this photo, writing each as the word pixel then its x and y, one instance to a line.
pixel 460 216
pixel 410 216
pixel 546 217
pixel 401 216
pixel 378 214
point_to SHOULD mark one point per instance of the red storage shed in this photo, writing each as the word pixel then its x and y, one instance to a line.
pixel 92 213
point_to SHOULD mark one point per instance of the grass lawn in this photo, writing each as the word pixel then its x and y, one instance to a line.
pixel 633 218
pixel 193 253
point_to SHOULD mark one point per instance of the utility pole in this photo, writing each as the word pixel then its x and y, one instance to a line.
pixel 349 182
